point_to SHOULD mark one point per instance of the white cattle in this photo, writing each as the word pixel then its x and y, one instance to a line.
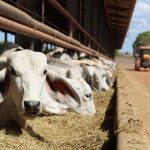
pixel 104 68
pixel 75 56
pixel 28 88
pixel 24 91
pixel 61 56
pixel 71 66
pixel 58 53
pixel 82 55
pixel 21 88
pixel 95 74
pixel 74 78
pixel 86 105
pixel 110 64
pixel 99 78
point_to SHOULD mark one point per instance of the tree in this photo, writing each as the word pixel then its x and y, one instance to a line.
pixel 1 44
pixel 116 52
pixel 142 38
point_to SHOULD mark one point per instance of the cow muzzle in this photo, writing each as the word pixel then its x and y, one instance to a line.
pixel 32 108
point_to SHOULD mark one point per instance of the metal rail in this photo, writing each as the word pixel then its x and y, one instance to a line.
pixel 28 31
pixel 56 5
pixel 15 14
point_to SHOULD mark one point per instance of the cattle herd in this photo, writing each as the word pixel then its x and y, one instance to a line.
pixel 54 83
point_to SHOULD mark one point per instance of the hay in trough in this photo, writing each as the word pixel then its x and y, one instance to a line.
pixel 69 132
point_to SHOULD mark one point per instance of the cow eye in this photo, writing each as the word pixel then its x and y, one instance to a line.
pixel 13 71
pixel 88 95
pixel 45 71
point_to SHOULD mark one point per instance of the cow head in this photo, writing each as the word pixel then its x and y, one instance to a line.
pixel 103 80
pixel 75 93
pixel 26 71
pixel 86 105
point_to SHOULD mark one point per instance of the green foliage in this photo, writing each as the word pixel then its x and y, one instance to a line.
pixel 142 38
pixel 127 53
pixel 116 52
pixel 1 44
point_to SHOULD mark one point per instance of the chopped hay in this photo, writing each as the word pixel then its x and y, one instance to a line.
pixel 68 132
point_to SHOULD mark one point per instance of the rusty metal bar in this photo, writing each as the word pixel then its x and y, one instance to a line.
pixel 56 5
pixel 70 28
pixel 13 13
pixel 28 31
pixel 43 10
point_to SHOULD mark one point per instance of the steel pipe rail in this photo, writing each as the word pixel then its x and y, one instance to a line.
pixel 56 5
pixel 28 31
pixel 15 14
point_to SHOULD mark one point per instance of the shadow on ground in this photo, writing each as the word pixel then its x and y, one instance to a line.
pixel 109 121
pixel 143 70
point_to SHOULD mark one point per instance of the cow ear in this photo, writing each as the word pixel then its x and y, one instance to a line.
pixel 49 57
pixel 3 62
pixel 4 85
pixel 59 84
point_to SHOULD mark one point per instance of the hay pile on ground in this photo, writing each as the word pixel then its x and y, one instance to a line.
pixel 68 132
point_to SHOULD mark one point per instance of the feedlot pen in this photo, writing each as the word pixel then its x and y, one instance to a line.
pixel 69 132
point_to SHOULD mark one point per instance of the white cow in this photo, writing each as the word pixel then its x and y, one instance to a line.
pixel 24 92
pixel 58 53
pixel 96 63
pixel 99 77
pixel 22 86
pixel 85 105
pixel 94 74
pixel 26 89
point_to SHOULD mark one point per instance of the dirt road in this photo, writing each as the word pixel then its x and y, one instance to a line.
pixel 139 90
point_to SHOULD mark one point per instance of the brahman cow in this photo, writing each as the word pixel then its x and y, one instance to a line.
pixel 22 86
pixel 85 105
pixel 27 88
pixel 94 75
pixel 99 65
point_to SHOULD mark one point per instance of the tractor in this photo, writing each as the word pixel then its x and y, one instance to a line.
pixel 142 56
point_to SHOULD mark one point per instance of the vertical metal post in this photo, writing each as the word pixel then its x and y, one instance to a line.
pixel 43 10
pixel 5 36
pixel 43 16
pixel 80 3
pixel 70 28
pixel 89 43
pixel 95 12
pixel 24 41
pixel 72 8
pixel 87 20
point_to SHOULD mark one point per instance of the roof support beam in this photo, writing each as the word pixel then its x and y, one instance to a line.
pixel 118 8
pixel 114 15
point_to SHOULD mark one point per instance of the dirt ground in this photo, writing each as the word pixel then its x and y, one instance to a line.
pixel 138 83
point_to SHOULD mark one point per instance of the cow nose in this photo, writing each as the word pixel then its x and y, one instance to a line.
pixel 32 105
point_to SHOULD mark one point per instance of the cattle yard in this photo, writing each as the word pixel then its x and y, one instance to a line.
pixel 80 99
pixel 116 124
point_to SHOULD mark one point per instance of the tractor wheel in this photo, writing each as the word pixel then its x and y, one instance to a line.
pixel 137 64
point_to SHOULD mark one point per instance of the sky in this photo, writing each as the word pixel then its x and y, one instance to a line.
pixel 140 22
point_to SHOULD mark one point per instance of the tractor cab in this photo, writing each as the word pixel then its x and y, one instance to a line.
pixel 142 56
